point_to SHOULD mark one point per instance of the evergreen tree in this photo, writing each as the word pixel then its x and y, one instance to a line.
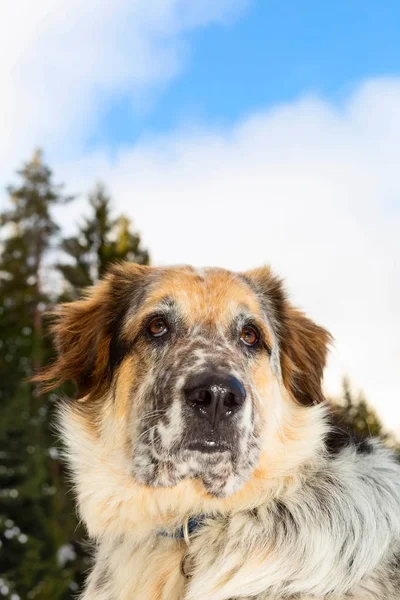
pixel 100 241
pixel 357 415
pixel 34 510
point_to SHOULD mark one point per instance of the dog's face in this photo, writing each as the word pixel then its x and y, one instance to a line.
pixel 188 366
pixel 205 349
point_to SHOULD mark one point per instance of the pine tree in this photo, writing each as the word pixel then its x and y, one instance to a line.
pixel 100 241
pixel 34 509
pixel 357 415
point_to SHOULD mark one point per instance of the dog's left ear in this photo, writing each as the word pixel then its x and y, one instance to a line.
pixel 303 345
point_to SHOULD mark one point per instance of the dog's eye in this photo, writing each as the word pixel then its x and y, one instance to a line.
pixel 249 336
pixel 157 327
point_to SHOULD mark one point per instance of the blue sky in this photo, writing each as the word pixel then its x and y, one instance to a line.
pixel 273 52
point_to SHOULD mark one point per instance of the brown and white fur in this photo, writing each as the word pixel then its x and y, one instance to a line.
pixel 291 508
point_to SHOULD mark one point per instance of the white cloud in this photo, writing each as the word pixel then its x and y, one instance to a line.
pixel 310 188
pixel 62 62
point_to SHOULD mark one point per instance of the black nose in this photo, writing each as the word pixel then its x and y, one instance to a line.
pixel 215 396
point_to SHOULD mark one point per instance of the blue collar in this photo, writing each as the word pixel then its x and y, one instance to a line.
pixel 193 524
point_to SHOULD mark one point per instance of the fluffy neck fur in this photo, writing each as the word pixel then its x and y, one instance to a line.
pixel 112 503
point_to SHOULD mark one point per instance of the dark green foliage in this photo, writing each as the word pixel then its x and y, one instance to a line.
pixel 356 414
pixel 42 552
pixel 34 511
pixel 101 240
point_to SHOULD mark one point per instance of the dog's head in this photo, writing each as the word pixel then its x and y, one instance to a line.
pixel 187 373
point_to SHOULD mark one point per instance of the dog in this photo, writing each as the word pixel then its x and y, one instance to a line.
pixel 206 463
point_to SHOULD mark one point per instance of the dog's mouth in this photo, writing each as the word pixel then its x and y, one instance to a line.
pixel 210 459
pixel 222 460
pixel 209 446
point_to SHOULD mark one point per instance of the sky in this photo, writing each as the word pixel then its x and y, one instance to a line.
pixel 234 133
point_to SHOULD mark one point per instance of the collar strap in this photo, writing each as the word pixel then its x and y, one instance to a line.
pixel 190 526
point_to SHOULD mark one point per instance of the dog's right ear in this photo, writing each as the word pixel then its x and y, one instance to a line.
pixel 77 330
pixel 82 332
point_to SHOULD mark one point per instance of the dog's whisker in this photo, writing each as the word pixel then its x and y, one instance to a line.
pixel 147 432
pixel 153 413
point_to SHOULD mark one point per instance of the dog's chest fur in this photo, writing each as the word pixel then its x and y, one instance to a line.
pixel 150 570
pixel 323 541
pixel 147 569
